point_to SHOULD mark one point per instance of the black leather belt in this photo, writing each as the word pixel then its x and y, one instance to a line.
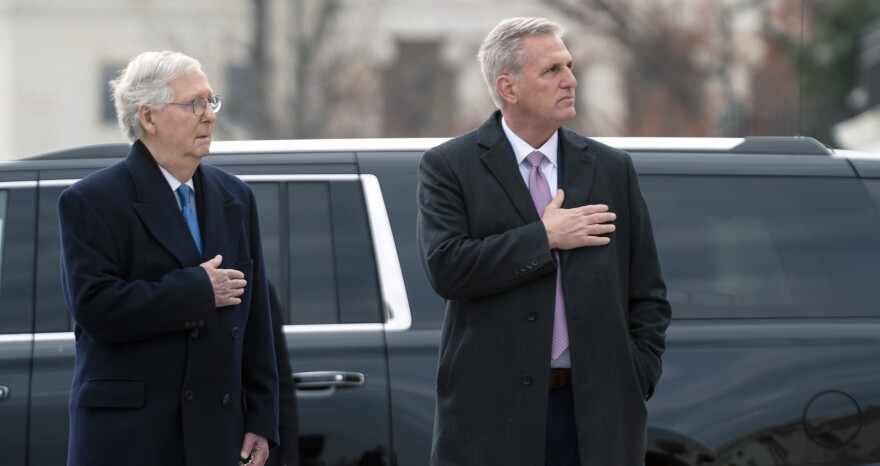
pixel 560 378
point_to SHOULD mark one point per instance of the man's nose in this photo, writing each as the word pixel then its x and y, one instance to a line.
pixel 209 114
pixel 569 81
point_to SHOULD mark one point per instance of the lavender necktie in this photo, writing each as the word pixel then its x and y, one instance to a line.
pixel 189 214
pixel 540 190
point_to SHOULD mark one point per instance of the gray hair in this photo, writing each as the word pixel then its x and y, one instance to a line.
pixel 502 53
pixel 146 81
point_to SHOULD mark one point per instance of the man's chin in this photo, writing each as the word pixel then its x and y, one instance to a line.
pixel 567 114
pixel 202 146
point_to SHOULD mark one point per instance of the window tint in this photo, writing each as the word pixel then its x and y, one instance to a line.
pixel 766 246
pixel 51 312
pixel 3 197
pixel 16 258
pixel 318 250
pixel 332 271
pixel 268 200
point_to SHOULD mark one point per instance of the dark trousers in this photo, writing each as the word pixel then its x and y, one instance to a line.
pixel 561 446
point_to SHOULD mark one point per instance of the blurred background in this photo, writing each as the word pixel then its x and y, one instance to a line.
pixel 407 68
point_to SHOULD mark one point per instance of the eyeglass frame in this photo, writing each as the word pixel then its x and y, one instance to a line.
pixel 204 104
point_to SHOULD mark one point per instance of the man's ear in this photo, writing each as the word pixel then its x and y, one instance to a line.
pixel 506 87
pixel 145 115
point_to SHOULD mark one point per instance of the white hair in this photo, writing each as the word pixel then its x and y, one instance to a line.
pixel 502 52
pixel 146 81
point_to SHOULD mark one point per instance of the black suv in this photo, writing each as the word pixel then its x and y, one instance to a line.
pixel 770 247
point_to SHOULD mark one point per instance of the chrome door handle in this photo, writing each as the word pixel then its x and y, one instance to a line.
pixel 4 392
pixel 323 380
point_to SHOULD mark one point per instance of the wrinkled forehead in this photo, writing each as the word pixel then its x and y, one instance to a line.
pixel 191 85
pixel 545 49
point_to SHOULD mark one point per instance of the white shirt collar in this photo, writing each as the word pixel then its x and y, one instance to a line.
pixel 173 182
pixel 522 149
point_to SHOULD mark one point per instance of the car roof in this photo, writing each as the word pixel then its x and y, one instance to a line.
pixel 752 145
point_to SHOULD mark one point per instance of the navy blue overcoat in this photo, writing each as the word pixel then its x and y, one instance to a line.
pixel 163 376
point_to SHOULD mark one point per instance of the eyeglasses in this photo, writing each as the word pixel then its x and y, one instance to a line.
pixel 200 105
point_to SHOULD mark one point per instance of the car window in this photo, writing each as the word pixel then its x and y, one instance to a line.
pixel 3 197
pixel 316 241
pixel 16 256
pixel 50 309
pixel 766 246
pixel 315 237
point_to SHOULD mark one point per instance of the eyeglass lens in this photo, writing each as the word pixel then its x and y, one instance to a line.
pixel 200 105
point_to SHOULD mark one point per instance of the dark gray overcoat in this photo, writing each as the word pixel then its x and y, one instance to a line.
pixel 485 251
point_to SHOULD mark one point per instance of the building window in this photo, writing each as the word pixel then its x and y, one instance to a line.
pixel 418 92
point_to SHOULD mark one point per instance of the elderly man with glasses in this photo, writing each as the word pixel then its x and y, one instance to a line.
pixel 164 277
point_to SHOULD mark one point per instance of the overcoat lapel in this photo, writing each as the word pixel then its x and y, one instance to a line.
pixel 578 171
pixel 222 219
pixel 500 160
pixel 578 168
pixel 157 207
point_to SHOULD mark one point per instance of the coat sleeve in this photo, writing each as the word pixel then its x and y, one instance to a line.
pixel 109 307
pixel 649 310
pixel 459 265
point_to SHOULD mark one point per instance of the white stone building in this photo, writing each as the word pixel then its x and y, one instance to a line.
pixel 379 68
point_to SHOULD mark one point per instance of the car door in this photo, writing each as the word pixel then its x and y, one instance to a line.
pixel 321 257
pixel 771 270
pixel 53 353
pixel 17 207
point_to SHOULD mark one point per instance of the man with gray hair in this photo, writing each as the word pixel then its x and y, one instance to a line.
pixel 556 307
pixel 163 274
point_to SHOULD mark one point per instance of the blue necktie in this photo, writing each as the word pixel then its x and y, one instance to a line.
pixel 189 214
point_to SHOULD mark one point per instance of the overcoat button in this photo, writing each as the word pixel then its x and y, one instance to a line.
pixel 527 381
pixel 201 323
pixel 188 395
pixel 534 262
pixel 186 324
pixel 195 333
pixel 531 316
pixel 226 399
pixel 235 332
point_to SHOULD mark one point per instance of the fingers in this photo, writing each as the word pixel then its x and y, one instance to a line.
pixel 228 284
pixel 600 218
pixel 579 226
pixel 593 214
pixel 213 263
pixel 260 456
pixel 556 202
pixel 245 458
pixel 591 209
pixel 254 450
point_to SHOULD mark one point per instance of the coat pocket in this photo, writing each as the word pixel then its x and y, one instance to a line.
pixel 111 393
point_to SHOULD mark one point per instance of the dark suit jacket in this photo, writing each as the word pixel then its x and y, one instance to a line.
pixel 485 250
pixel 162 376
